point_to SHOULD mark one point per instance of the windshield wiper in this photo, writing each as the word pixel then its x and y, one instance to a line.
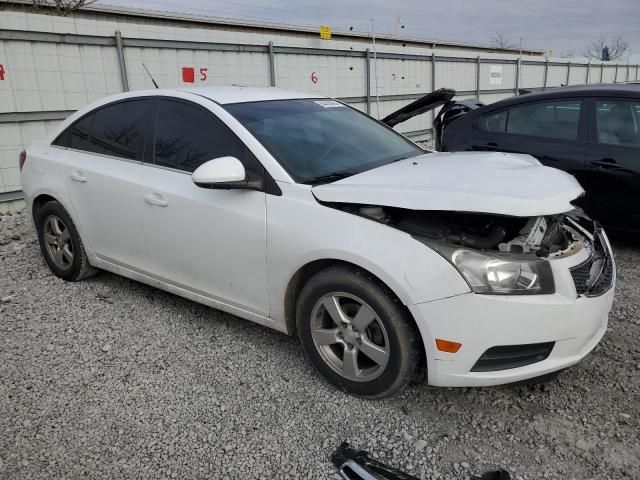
pixel 330 177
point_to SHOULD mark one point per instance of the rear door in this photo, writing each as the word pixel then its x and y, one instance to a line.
pixel 613 162
pixel 554 132
pixel 102 166
pixel 208 241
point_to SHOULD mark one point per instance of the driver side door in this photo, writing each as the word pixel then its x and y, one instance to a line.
pixel 208 241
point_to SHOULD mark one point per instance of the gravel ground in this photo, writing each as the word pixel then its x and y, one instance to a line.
pixel 108 378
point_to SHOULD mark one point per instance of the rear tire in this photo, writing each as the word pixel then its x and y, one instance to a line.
pixel 357 333
pixel 60 243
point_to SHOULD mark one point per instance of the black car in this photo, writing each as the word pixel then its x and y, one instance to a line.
pixel 590 131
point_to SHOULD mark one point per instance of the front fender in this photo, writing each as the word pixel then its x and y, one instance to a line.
pixel 301 231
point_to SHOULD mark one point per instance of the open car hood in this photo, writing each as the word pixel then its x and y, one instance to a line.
pixel 483 182
pixel 424 104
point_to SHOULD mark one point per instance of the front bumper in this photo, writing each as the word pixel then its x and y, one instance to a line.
pixel 575 322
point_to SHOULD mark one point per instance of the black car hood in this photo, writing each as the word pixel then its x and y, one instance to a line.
pixel 428 102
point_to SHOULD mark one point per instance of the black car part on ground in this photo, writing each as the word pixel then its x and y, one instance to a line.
pixel 355 464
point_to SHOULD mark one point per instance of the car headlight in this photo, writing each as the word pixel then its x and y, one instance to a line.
pixel 490 274
pixel 498 274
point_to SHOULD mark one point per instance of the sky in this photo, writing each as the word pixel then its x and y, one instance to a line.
pixel 559 26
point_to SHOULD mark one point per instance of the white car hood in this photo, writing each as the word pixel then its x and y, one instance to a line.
pixel 486 182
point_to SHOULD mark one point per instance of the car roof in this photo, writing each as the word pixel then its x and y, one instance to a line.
pixel 240 94
pixel 631 90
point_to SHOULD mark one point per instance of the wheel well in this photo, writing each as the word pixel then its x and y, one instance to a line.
pixel 38 202
pixel 301 277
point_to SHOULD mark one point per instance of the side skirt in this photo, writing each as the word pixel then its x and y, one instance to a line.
pixel 188 294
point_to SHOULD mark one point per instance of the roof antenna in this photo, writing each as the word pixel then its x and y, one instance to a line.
pixel 154 82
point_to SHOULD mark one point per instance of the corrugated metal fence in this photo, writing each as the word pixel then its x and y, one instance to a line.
pixel 46 76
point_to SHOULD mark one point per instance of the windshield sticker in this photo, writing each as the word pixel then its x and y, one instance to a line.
pixel 328 103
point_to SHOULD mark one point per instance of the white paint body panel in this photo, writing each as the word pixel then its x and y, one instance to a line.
pixel 218 170
pixel 237 250
pixel 210 241
pixel 501 183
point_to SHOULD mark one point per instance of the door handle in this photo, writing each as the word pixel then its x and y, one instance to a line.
pixel 155 199
pixel 606 163
pixel 78 177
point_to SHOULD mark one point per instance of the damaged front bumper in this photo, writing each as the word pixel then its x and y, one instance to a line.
pixel 512 338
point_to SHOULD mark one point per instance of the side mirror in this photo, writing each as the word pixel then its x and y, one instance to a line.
pixel 223 172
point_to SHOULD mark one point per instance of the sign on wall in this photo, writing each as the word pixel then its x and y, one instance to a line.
pixel 495 75
pixel 189 74
pixel 325 32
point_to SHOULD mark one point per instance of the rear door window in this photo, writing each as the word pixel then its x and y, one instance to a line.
pixel 79 133
pixel 618 122
pixel 557 119
pixel 116 130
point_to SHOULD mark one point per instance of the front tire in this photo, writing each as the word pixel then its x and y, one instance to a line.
pixel 60 243
pixel 356 332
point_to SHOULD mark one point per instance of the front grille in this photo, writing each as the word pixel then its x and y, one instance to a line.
pixel 595 276
pixel 592 278
pixel 512 356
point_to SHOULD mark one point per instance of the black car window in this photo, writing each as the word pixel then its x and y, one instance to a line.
pixel 79 132
pixel 618 122
pixel 494 122
pixel 186 136
pixel 548 119
pixel 558 119
pixel 117 129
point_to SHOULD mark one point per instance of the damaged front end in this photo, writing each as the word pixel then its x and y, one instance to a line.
pixel 506 255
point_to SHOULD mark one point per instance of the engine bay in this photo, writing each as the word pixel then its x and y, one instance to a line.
pixel 543 236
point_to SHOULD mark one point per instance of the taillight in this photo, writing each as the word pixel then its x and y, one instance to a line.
pixel 22 159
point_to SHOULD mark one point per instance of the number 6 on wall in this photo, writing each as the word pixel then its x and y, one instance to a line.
pixel 314 77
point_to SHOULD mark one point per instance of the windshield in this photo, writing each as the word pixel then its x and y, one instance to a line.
pixel 319 141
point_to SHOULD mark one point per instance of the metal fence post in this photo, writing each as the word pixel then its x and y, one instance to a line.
pixel 367 79
pixel 615 76
pixel 546 73
pixel 517 84
pixel 627 72
pixel 569 72
pixel 478 77
pixel 272 65
pixel 121 62
pixel 433 89
pixel 601 71
pixel 586 80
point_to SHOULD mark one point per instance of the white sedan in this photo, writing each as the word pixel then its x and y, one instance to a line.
pixel 304 215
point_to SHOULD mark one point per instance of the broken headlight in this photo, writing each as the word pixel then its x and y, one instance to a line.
pixel 490 274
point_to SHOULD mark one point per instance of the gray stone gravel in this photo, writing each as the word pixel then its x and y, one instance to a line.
pixel 108 378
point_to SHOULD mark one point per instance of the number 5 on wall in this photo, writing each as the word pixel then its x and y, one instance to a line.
pixel 203 74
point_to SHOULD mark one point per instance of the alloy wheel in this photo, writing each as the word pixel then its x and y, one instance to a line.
pixel 57 239
pixel 350 337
